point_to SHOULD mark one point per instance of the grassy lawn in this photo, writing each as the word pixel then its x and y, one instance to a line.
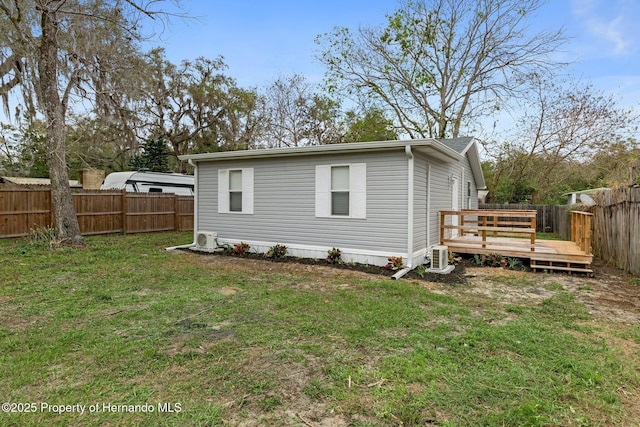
pixel 205 340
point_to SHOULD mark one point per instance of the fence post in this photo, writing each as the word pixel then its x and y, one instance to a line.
pixel 123 198
pixel 52 212
pixel 28 204
pixel 176 214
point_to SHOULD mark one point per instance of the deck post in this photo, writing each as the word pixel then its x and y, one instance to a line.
pixel 495 224
pixel 442 228
pixel 532 224
pixel 462 223
pixel 484 232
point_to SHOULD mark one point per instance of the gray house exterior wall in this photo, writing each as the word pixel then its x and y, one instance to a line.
pixel 284 199
pixel 433 193
pixel 439 195
pixel 284 204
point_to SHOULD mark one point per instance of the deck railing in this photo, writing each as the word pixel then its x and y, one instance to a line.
pixel 486 232
pixel 581 230
pixel 490 223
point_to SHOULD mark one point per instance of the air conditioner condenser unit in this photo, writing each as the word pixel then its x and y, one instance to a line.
pixel 206 240
pixel 440 260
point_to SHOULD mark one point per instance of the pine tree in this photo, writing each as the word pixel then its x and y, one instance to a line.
pixel 154 157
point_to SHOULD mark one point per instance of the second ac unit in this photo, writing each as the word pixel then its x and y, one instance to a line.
pixel 206 240
pixel 439 257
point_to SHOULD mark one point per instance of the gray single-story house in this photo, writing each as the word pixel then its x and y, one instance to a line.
pixel 371 200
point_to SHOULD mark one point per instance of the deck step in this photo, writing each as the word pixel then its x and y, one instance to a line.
pixel 571 267
pixel 558 268
pixel 564 258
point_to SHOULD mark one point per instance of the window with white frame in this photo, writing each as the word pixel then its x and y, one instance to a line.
pixel 341 190
pixel 235 191
pixel 468 194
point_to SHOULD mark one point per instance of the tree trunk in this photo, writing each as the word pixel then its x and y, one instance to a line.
pixel 66 221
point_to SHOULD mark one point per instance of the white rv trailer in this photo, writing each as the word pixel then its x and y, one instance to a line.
pixel 149 182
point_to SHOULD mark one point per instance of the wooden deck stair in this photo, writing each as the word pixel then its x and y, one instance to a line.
pixel 562 262
pixel 497 232
pixel 556 265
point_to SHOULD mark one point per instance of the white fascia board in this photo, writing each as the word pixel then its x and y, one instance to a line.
pixel 476 167
pixel 353 147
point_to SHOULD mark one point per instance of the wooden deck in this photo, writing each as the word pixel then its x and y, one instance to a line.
pixel 511 234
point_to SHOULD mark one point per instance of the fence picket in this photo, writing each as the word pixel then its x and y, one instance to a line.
pixel 549 218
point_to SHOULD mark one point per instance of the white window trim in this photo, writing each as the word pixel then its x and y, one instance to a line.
pixel 357 191
pixel 247 191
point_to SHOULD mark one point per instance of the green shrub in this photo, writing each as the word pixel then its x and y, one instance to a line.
pixel 454 258
pixel 395 263
pixel 334 256
pixel 513 264
pixel 277 251
pixel 241 248
pixel 494 260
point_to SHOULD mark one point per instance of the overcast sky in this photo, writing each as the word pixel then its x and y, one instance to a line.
pixel 261 40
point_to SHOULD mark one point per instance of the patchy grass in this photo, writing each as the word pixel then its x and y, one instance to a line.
pixel 548 236
pixel 231 341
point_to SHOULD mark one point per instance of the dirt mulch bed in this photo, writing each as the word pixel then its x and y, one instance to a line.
pixel 457 276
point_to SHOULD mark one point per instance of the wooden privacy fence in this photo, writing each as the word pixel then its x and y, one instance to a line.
pixel 99 212
pixel 616 228
pixel 549 218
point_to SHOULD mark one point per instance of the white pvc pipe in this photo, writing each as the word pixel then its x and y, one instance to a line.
pixel 401 273
pixel 173 248
pixel 410 202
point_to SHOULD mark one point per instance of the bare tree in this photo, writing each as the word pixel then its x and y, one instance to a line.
pixel 51 48
pixel 299 115
pixel 287 108
pixel 565 123
pixel 439 64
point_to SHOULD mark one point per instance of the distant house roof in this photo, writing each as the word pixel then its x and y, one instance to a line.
pixel 31 182
pixel 583 196
pixel 591 191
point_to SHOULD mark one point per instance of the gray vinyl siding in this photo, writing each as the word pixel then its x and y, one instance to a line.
pixel 420 205
pixel 440 193
pixel 284 203
pixel 468 177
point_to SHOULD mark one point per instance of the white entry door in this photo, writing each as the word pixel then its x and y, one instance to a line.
pixel 455 205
